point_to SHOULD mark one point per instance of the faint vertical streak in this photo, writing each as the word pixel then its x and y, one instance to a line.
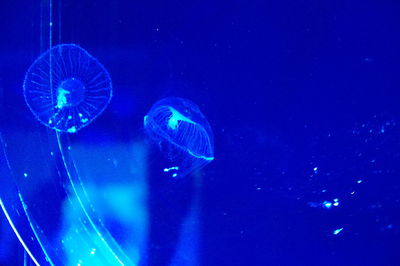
pixel 59 21
pixel 25 258
pixel 50 45
pixel 85 211
pixel 4 152
pixel 50 25
pixel 94 227
pixel 17 233
pixel 41 26
pixel 24 206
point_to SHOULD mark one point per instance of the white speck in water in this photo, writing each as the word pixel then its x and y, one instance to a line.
pixel 72 129
pixel 171 168
pixel 26 174
pixel 93 251
pixel 336 202
pixel 337 231
pixel 327 204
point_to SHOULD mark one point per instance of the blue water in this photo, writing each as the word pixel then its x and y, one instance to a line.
pixel 303 101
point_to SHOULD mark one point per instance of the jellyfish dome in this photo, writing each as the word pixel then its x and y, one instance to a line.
pixel 66 88
pixel 182 131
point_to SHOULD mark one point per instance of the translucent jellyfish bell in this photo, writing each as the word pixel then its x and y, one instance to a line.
pixel 66 88
pixel 183 132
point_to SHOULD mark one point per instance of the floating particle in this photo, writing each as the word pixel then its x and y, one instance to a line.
pixel 337 231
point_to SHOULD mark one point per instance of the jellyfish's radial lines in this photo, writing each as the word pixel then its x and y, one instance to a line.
pixel 39 84
pixel 94 79
pixel 40 77
pixel 40 91
pixel 89 105
pixel 43 73
pixel 83 67
pixel 60 90
pixel 183 132
pixel 99 83
pixel 79 65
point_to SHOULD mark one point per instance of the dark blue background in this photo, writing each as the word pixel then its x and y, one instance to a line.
pixel 286 85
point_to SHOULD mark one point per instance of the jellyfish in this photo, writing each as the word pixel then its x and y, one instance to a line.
pixel 66 88
pixel 182 132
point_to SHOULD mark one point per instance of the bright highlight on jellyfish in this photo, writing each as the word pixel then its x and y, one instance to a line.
pixel 183 132
pixel 66 88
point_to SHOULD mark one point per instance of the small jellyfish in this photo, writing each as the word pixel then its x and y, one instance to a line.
pixel 183 132
pixel 66 88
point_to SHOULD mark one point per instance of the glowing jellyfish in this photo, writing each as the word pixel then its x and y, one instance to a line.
pixel 66 88
pixel 183 132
